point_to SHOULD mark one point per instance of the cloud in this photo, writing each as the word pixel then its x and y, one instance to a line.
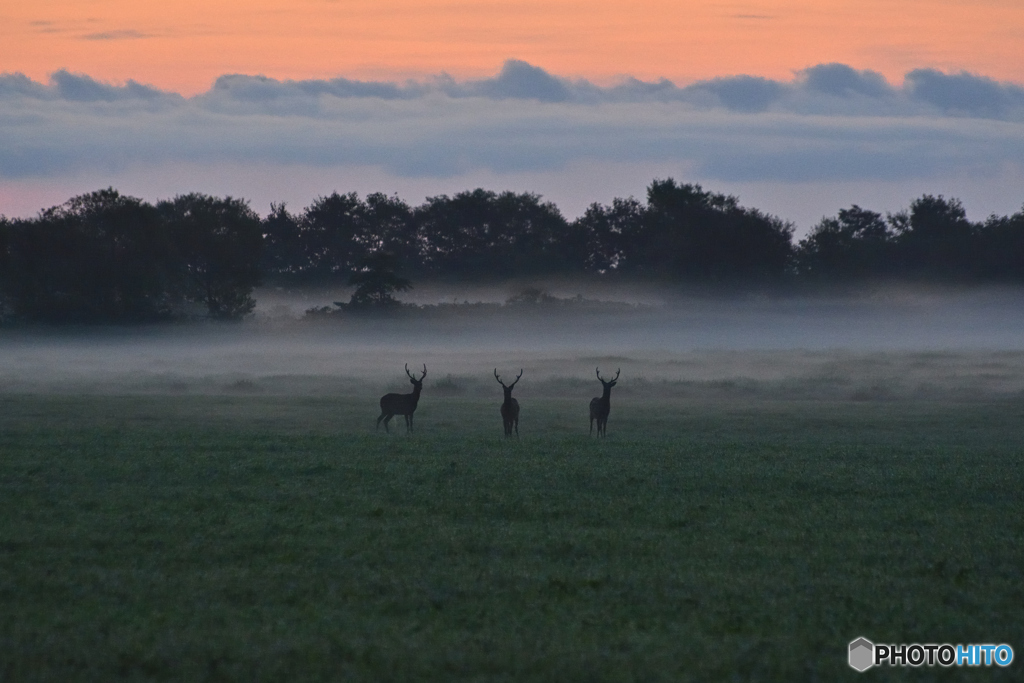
pixel 830 123
pixel 517 80
pixel 841 80
pixel 79 88
pixel 826 89
pixel 122 34
pixel 242 88
pixel 743 93
pixel 965 94
pixel 18 85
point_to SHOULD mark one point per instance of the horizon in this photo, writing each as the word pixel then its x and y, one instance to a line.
pixel 797 108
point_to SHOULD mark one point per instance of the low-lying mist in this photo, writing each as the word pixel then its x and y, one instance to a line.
pixel 885 345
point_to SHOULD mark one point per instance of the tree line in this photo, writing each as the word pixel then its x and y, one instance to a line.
pixel 108 257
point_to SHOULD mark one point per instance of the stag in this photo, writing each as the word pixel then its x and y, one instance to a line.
pixel 602 405
pixel 510 408
pixel 401 404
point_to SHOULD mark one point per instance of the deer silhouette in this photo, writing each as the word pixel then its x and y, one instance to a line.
pixel 401 404
pixel 602 405
pixel 510 408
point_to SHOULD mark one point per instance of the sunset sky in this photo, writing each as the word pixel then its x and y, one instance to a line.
pixel 899 89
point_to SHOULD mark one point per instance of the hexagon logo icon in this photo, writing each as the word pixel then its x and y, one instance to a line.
pixel 862 654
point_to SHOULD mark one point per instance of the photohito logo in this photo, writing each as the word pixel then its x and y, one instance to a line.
pixel 864 654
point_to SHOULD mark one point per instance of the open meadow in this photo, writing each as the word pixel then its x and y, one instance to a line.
pixel 265 538
pixel 171 510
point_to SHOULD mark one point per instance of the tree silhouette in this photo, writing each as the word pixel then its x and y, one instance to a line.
pixel 609 232
pixel 484 235
pixel 340 230
pixel 936 241
pixel 283 247
pixel 852 246
pixel 690 235
pixel 105 257
pixel 376 282
pixel 6 281
pixel 1001 248
pixel 99 257
pixel 219 244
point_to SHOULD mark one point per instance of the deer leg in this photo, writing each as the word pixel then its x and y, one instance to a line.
pixel 387 418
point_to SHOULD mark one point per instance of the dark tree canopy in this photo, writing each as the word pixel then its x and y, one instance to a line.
pixel 341 230
pixel 855 245
pixel 99 257
pixel 284 250
pixel 695 236
pixel 1001 250
pixel 935 239
pixel 376 282
pixel 219 245
pixel 484 235
pixel 608 233
pixel 107 257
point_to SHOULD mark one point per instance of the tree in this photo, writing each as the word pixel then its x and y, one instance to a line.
pixel 703 237
pixel 340 231
pixel 608 231
pixel 851 246
pixel 219 244
pixel 485 235
pixel 6 234
pixel 99 257
pixel 1001 247
pixel 376 282
pixel 936 240
pixel 390 227
pixel 283 250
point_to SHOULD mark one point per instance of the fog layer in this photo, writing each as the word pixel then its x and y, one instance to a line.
pixel 893 345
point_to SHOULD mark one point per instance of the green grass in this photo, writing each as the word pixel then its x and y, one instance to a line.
pixel 278 538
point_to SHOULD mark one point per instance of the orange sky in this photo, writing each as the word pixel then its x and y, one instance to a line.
pixel 184 44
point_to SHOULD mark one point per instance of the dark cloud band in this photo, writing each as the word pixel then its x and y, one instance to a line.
pixel 830 122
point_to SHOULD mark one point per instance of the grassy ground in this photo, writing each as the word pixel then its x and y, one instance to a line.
pixel 278 538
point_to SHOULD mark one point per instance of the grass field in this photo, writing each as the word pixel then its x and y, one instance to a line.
pixel 257 537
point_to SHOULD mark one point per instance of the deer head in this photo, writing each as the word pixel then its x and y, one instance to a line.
pixel 507 389
pixel 611 383
pixel 417 383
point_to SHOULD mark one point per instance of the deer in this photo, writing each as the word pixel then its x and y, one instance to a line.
pixel 602 405
pixel 401 404
pixel 510 408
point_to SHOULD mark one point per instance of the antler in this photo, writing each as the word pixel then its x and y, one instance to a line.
pixel 410 374
pixel 614 379
pixel 502 383
pixel 617 374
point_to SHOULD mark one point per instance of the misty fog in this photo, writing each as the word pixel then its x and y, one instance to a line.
pixel 888 344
